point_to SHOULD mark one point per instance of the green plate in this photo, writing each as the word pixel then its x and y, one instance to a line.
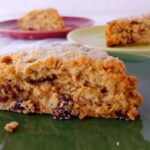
pixel 41 132
pixel 95 37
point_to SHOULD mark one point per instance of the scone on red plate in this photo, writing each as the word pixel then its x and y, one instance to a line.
pixel 129 31
pixel 67 80
pixel 46 19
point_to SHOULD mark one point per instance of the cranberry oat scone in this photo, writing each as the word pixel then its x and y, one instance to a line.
pixel 47 19
pixel 67 80
pixel 129 31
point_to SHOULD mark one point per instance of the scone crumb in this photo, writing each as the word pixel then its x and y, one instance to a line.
pixel 9 127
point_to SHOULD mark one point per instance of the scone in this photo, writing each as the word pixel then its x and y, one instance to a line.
pixel 131 31
pixel 47 19
pixel 67 80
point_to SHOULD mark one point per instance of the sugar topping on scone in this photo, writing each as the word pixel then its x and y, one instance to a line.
pixel 61 50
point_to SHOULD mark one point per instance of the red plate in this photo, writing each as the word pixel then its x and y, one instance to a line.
pixel 10 28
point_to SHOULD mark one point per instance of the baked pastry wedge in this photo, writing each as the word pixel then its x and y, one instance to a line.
pixel 45 19
pixel 67 80
pixel 128 31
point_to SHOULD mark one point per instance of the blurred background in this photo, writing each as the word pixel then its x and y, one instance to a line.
pixel 100 10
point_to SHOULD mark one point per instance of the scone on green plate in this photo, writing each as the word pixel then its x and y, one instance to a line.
pixel 67 80
pixel 128 31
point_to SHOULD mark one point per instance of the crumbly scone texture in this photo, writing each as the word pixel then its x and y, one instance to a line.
pixel 11 126
pixel 67 80
pixel 131 31
pixel 47 19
